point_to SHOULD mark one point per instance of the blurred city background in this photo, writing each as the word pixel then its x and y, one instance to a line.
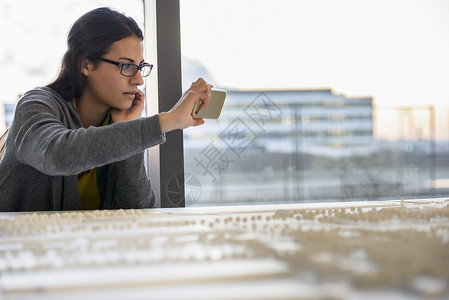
pixel 327 100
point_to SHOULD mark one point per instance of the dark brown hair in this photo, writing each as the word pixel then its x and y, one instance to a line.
pixel 89 38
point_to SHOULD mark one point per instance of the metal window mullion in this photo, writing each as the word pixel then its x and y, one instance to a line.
pixel 163 41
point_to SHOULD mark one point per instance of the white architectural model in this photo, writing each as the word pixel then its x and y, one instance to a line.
pixel 353 250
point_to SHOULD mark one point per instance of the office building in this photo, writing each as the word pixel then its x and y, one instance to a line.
pixel 319 121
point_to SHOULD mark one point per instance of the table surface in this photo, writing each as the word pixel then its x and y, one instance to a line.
pixel 338 250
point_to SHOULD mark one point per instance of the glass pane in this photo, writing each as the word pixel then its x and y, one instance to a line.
pixel 34 39
pixel 327 100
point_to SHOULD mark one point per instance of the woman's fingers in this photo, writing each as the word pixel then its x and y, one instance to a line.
pixel 198 121
pixel 139 100
pixel 133 112
pixel 180 115
pixel 205 88
pixel 201 86
pixel 204 102
pixel 201 97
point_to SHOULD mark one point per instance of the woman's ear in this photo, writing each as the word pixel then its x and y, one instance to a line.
pixel 85 67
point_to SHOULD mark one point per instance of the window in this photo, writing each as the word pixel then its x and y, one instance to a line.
pixel 327 100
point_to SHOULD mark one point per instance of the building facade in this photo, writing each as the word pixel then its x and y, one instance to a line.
pixel 289 121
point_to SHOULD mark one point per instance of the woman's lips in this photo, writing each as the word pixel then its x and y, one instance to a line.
pixel 130 95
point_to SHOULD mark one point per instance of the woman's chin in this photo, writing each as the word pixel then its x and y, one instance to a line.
pixel 122 106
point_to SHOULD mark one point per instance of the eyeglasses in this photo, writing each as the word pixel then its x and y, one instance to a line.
pixel 129 70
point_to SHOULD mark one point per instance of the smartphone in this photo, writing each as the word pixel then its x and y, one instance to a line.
pixel 213 109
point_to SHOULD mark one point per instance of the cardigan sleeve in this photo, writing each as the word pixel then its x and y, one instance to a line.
pixel 45 140
pixel 133 187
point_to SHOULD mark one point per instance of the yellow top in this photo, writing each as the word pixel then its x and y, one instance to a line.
pixel 87 182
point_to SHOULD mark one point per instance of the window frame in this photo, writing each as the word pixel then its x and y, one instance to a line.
pixel 163 90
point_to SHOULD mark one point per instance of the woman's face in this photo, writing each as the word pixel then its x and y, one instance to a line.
pixel 105 85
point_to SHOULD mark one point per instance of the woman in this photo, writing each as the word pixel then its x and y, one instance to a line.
pixel 78 143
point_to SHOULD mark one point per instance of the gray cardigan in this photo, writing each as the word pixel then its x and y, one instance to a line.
pixel 47 147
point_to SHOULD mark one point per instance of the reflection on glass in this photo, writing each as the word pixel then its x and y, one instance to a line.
pixel 278 143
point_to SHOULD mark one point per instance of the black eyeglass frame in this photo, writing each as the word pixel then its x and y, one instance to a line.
pixel 122 65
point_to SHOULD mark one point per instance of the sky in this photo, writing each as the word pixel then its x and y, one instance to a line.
pixel 396 50
pixel 393 50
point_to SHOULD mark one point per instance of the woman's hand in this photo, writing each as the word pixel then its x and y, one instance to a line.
pixel 180 116
pixel 132 113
